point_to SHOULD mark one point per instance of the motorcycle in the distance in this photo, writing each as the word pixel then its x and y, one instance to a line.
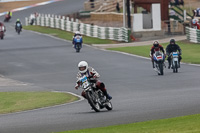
pixel 18 28
pixel 7 18
pixel 2 30
pixel 159 59
pixel 175 61
pixel 95 97
pixel 78 43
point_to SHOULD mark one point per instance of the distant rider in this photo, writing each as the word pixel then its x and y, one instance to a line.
pixel 77 33
pixel 2 27
pixel 90 73
pixel 9 13
pixel 18 22
pixel 156 47
pixel 173 47
pixel 195 24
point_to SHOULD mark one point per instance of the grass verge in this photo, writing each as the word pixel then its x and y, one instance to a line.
pixel 67 35
pixel 185 124
pixel 190 51
pixel 20 101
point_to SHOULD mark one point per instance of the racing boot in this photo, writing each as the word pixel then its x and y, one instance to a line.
pixel 108 96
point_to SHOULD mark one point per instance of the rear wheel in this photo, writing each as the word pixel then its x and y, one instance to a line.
pixel 92 101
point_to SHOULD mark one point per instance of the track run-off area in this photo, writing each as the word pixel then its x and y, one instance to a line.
pixel 43 63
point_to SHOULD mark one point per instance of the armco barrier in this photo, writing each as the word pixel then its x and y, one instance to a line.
pixel 193 35
pixel 63 23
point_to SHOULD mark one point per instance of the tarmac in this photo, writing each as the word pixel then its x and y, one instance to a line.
pixel 139 43
pixel 4 82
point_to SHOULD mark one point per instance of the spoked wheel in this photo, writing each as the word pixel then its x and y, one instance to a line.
pixel 93 102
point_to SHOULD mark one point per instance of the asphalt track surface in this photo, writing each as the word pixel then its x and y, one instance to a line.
pixel 49 64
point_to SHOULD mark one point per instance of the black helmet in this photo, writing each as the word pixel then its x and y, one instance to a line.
pixel 155 44
pixel 172 41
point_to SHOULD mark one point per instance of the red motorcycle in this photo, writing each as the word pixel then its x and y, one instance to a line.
pixel 2 32
pixel 7 18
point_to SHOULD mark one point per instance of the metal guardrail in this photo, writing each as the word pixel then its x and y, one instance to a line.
pixel 64 23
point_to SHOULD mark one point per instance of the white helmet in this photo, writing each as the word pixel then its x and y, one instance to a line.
pixel 77 32
pixel 82 66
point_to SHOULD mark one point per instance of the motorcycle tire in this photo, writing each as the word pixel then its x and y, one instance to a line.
pixel 176 67
pixel 93 104
pixel 78 48
pixel 161 69
pixel 2 38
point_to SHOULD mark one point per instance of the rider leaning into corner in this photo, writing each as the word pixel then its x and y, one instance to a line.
pixel 173 47
pixel 89 72
pixel 156 47
pixel 2 27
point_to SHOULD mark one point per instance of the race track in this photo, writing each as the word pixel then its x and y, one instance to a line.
pixel 49 64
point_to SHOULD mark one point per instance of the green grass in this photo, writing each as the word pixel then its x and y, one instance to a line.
pixel 190 51
pixel 185 124
pixel 20 101
pixel 68 35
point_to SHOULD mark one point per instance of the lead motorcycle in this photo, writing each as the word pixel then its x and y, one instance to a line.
pixel 78 43
pixel 159 59
pixel 95 97
pixel 2 33
pixel 175 62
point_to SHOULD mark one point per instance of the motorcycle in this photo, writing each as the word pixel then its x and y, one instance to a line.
pixel 78 43
pixel 18 28
pixel 2 33
pixel 7 18
pixel 95 97
pixel 159 59
pixel 174 61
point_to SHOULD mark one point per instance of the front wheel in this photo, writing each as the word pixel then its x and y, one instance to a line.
pixel 18 32
pixel 93 101
pixel 176 67
pixel 77 48
pixel 161 68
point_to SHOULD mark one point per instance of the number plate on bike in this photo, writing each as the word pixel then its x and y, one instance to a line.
pixel 175 54
pixel 84 82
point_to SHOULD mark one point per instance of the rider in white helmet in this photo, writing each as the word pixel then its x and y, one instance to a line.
pixel 77 33
pixel 89 72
